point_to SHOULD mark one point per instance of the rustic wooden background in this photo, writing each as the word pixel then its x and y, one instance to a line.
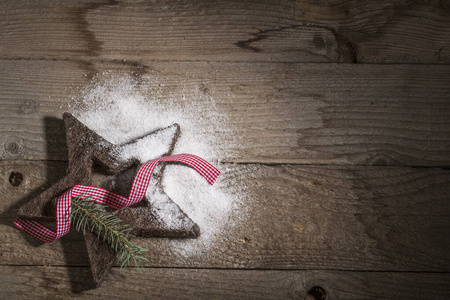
pixel 344 110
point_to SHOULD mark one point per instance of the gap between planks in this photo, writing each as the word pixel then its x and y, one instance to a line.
pixel 138 61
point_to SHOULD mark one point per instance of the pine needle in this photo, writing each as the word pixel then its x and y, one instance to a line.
pixel 88 216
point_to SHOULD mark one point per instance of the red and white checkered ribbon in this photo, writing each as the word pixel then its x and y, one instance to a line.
pixel 115 201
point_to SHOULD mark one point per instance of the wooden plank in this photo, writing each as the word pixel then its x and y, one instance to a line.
pixel 68 283
pixel 291 217
pixel 283 113
pixel 295 31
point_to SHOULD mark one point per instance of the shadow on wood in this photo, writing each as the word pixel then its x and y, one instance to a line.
pixel 55 142
pixel 54 139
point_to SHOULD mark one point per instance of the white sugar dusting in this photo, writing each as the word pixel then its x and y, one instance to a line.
pixel 122 109
pixel 149 147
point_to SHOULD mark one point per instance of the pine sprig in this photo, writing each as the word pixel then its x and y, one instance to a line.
pixel 88 216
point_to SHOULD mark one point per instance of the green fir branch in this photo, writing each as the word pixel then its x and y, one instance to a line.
pixel 88 216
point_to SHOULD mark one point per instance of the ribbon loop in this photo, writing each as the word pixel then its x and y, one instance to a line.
pixel 105 197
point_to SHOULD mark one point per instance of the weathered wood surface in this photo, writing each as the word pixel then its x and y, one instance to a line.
pixel 341 222
pixel 61 283
pixel 298 217
pixel 284 113
pixel 397 31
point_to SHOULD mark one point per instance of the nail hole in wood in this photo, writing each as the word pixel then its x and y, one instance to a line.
pixel 12 148
pixel 316 293
pixel 15 178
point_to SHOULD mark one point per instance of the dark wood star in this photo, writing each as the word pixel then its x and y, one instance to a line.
pixel 88 151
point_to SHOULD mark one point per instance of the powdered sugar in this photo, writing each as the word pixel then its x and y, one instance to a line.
pixel 122 109
pixel 151 146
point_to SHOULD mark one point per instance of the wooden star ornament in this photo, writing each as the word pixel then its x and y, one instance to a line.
pixel 88 151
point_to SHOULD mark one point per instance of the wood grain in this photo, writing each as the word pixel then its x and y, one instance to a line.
pixel 283 113
pixel 335 219
pixel 291 217
pixel 397 31
pixel 59 283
